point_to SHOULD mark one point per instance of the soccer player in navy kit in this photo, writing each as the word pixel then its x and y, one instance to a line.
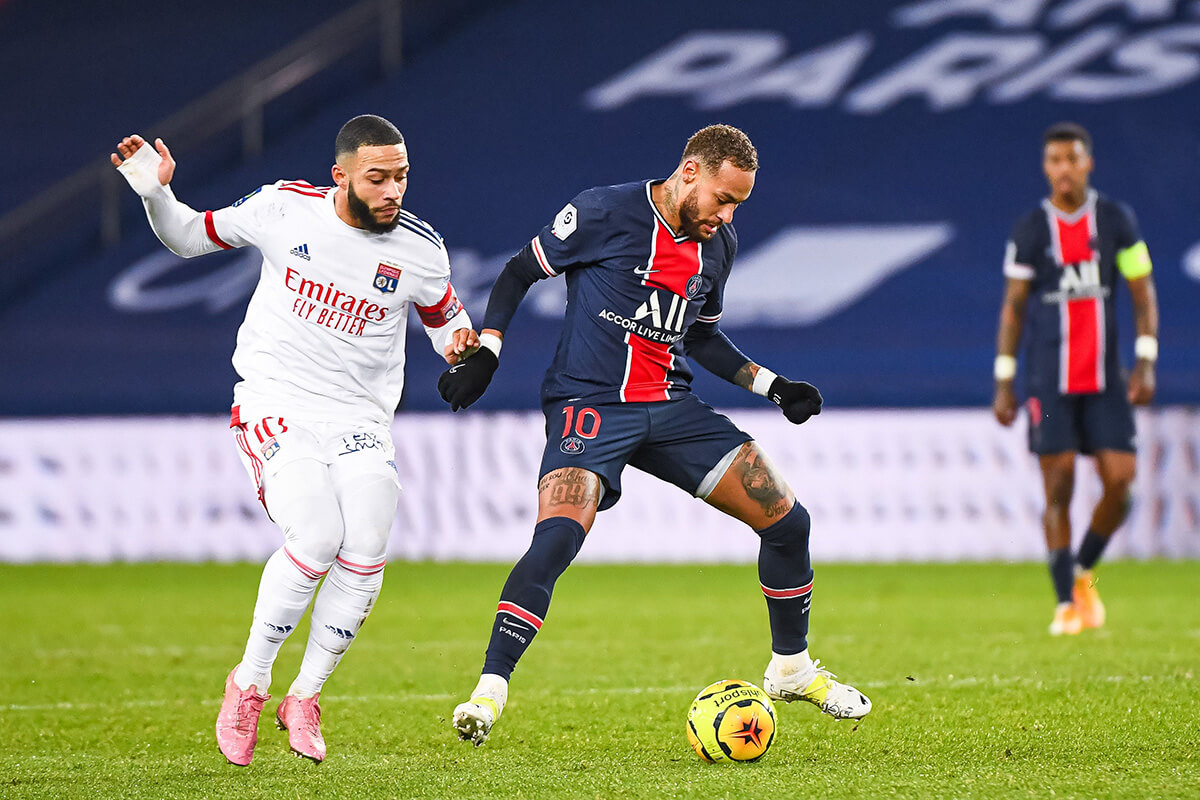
pixel 646 265
pixel 1061 267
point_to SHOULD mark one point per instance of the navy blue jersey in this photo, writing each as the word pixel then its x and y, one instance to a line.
pixel 633 289
pixel 1071 261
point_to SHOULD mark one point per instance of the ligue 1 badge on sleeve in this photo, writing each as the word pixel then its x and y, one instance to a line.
pixel 386 278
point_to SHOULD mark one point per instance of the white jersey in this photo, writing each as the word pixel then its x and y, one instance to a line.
pixel 324 333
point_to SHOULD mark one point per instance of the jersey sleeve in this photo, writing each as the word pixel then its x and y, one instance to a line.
pixel 1020 252
pixel 574 238
pixel 439 308
pixel 241 224
pixel 1133 257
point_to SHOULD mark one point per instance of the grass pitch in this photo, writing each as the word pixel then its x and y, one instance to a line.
pixel 111 678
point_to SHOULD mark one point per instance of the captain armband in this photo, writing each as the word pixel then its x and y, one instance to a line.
pixel 1134 261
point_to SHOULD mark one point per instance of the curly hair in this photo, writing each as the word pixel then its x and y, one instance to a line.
pixel 715 144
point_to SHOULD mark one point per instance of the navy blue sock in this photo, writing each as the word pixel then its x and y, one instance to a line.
pixel 525 598
pixel 786 575
pixel 1091 548
pixel 1062 573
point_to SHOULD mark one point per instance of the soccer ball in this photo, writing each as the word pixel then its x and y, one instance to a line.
pixel 731 721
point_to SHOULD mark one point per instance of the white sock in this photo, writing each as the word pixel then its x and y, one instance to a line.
pixel 492 687
pixel 341 608
pixel 283 595
pixel 799 665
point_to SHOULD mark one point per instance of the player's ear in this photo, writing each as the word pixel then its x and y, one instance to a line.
pixel 339 175
pixel 689 170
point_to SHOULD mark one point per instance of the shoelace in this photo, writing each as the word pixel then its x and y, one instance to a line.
pixel 241 720
pixel 311 714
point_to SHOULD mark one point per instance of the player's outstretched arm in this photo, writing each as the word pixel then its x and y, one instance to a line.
pixel 1008 336
pixel 149 171
pixel 1145 312
pixel 466 381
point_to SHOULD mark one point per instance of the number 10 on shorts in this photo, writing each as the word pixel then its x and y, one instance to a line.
pixel 587 424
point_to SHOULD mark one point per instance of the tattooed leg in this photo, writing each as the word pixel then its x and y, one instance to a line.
pixel 752 489
pixel 570 492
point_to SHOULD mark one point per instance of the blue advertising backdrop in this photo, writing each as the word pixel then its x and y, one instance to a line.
pixel 898 145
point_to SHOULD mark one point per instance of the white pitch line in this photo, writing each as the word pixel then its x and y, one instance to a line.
pixel 947 682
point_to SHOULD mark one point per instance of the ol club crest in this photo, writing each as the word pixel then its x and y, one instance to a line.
pixel 386 278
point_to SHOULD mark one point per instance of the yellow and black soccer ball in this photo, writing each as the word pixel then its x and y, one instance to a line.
pixel 731 721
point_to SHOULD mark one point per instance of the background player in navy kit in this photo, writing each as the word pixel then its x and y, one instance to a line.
pixel 646 265
pixel 1065 256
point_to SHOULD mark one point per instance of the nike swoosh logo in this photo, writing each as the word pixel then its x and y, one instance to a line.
pixel 645 270
pixel 515 624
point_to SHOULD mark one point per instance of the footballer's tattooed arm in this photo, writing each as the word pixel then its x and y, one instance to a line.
pixel 745 376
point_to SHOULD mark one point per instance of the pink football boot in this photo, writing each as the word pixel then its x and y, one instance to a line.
pixel 301 718
pixel 237 722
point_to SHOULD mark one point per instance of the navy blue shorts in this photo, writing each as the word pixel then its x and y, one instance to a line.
pixel 679 441
pixel 1081 423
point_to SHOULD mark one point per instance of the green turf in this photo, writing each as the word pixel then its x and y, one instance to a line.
pixel 110 681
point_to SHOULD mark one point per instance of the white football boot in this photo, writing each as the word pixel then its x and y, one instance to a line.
pixel 473 720
pixel 798 677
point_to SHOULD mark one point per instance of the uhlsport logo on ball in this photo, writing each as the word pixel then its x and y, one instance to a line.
pixel 731 720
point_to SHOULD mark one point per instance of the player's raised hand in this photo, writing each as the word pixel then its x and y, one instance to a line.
pixel 462 346
pixel 1004 404
pixel 797 399
pixel 465 382
pixel 139 169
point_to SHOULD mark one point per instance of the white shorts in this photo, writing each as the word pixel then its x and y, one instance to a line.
pixel 267 443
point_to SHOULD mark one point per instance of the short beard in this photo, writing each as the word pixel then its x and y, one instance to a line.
pixel 362 213
pixel 689 224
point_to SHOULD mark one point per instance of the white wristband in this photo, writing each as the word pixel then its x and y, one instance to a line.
pixel 491 341
pixel 762 381
pixel 1005 368
pixel 1146 348
pixel 141 170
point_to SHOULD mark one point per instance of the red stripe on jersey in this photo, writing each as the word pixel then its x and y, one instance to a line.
pixel 646 366
pixel 785 594
pixel 297 190
pixel 673 263
pixel 1074 239
pixel 235 417
pixel 441 312
pixel 541 258
pixel 506 607
pixel 211 230
pixel 1082 332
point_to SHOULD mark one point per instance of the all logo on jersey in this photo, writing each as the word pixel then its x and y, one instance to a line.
pixel 572 445
pixel 386 278
pixel 302 251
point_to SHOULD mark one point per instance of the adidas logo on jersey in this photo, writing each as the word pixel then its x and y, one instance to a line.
pixel 302 251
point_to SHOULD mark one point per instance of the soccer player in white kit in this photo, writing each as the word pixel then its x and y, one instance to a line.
pixel 321 358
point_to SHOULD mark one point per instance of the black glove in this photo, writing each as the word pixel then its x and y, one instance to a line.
pixel 797 399
pixel 466 381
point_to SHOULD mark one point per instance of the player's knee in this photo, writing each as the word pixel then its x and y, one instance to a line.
pixel 312 526
pixel 368 513
pixel 558 539
pixel 358 574
pixel 794 527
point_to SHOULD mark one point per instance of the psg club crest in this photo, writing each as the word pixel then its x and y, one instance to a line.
pixel 572 445
pixel 386 278
pixel 693 286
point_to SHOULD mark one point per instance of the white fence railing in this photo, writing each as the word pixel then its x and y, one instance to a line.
pixel 882 485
